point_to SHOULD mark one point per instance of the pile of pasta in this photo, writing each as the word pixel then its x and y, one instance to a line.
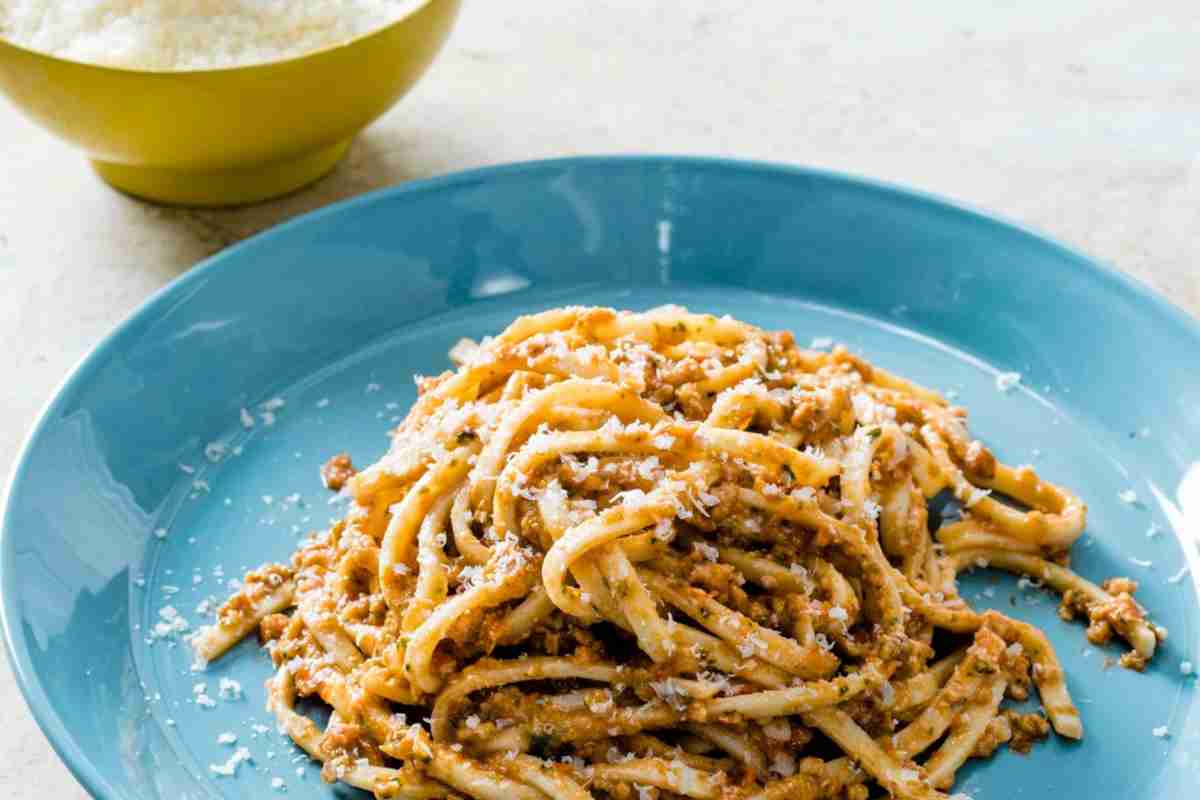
pixel 667 554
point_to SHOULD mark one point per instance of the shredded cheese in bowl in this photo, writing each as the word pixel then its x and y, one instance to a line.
pixel 182 35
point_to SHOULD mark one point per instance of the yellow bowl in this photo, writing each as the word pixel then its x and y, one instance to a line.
pixel 226 136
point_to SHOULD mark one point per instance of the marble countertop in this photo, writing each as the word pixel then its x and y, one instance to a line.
pixel 1079 118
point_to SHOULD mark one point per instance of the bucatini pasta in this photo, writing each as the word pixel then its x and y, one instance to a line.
pixel 666 554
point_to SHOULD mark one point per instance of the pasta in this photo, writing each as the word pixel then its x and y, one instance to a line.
pixel 666 554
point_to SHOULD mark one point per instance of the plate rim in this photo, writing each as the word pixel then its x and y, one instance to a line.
pixel 16 645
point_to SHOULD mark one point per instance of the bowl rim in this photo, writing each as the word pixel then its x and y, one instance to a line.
pixel 417 7
pixel 15 642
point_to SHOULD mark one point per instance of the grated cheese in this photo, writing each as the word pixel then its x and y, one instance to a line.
pixel 805 494
pixel 229 768
pixel 864 408
pixel 648 467
pixel 887 694
pixel 169 625
pixel 1005 381
pixel 974 496
pixel 670 693
pixel 871 508
pixel 633 498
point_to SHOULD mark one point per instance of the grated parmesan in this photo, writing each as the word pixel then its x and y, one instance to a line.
pixel 974 496
pixel 871 509
pixel 168 35
pixel 1006 381
pixel 229 768
pixel 169 625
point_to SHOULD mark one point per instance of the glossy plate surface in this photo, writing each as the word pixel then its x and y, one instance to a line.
pixel 115 511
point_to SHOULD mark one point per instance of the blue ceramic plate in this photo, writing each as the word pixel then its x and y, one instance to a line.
pixel 116 511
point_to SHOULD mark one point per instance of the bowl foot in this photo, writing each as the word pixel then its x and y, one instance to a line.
pixel 223 187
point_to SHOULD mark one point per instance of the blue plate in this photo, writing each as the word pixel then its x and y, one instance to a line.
pixel 116 511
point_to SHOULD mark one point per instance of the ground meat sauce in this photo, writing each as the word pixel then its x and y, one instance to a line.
pixel 336 471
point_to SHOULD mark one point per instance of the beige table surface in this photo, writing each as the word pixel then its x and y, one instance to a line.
pixel 1080 118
